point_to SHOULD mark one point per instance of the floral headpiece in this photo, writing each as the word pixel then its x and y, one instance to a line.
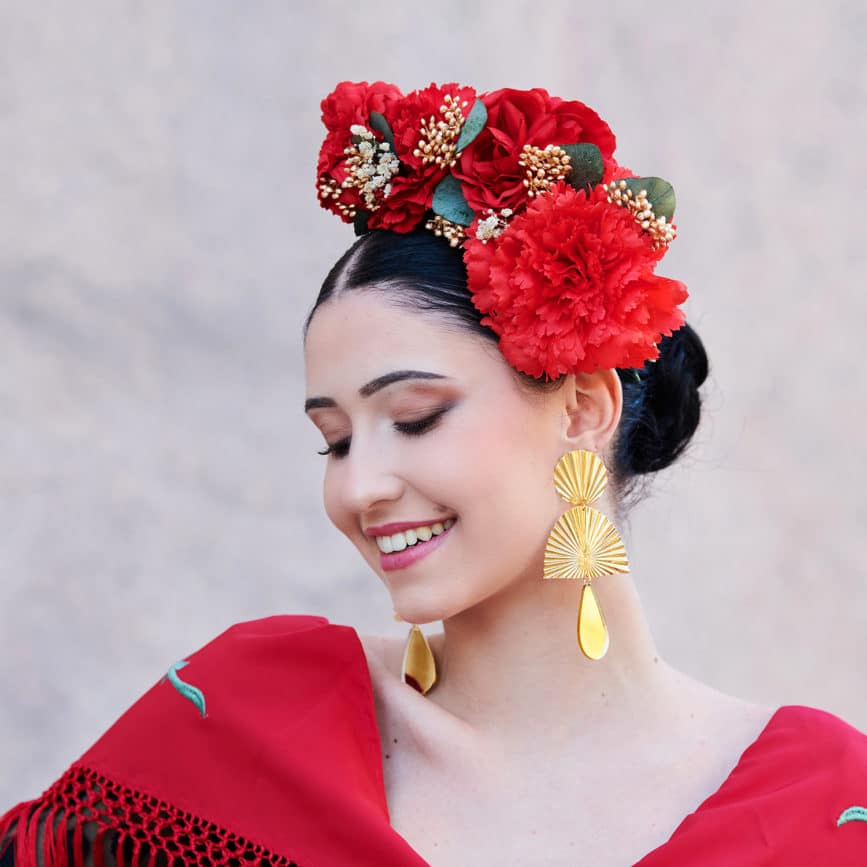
pixel 560 242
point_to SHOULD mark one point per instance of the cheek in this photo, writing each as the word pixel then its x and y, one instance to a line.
pixel 507 500
pixel 516 514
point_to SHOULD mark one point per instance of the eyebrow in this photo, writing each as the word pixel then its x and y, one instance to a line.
pixel 375 385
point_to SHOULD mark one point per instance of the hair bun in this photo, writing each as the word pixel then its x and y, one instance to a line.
pixel 664 412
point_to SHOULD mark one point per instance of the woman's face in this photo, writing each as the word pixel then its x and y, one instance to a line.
pixel 427 424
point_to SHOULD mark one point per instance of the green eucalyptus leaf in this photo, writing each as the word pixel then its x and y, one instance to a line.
pixel 473 125
pixel 660 194
pixel 449 202
pixel 587 167
pixel 360 222
pixel 379 124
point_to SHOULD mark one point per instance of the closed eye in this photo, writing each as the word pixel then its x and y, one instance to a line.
pixel 411 428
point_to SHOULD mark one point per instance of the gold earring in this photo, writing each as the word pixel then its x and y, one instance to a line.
pixel 419 668
pixel 584 544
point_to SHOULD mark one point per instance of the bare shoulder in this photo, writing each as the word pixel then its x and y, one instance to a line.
pixel 717 715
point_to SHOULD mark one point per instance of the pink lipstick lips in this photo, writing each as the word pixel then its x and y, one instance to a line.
pixel 413 553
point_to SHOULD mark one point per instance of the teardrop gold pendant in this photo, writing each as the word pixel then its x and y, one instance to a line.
pixel 584 544
pixel 592 631
pixel 419 666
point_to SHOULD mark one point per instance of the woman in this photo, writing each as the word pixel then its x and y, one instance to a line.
pixel 495 367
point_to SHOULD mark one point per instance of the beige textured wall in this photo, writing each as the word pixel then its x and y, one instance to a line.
pixel 160 243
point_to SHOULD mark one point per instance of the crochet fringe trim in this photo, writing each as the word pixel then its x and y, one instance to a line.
pixel 134 828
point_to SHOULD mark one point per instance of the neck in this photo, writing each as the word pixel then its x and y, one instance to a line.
pixel 512 664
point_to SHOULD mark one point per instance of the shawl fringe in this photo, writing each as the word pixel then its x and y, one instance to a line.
pixel 84 812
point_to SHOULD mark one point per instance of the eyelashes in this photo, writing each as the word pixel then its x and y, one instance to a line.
pixel 411 428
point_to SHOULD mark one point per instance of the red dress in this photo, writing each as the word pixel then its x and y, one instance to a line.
pixel 262 748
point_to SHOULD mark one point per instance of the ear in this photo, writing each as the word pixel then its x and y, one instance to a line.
pixel 593 403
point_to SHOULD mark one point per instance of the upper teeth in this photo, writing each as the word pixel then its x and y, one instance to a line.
pixel 408 538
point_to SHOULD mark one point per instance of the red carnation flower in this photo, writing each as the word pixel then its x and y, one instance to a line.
pixel 349 103
pixel 421 105
pixel 413 188
pixel 569 286
pixel 406 205
pixel 488 168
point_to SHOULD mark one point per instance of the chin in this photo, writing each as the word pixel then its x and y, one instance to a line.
pixel 416 606
pixel 413 607
pixel 417 614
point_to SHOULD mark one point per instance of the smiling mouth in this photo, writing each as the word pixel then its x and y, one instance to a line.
pixel 413 537
pixel 407 557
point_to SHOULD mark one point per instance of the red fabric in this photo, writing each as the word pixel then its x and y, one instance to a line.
pixel 286 766
pixel 780 804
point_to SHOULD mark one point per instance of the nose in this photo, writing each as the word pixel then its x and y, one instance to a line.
pixel 369 478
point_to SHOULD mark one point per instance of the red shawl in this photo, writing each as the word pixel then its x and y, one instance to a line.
pixel 262 748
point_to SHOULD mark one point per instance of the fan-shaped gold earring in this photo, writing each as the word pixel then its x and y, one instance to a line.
pixel 584 544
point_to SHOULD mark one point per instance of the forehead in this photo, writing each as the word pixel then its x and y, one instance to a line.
pixel 363 334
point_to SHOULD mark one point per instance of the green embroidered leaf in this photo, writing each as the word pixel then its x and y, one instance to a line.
pixel 360 222
pixel 187 690
pixel 660 194
pixel 852 814
pixel 449 202
pixel 473 125
pixel 587 167
pixel 380 125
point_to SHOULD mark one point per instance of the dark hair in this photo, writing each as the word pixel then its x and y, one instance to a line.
pixel 661 407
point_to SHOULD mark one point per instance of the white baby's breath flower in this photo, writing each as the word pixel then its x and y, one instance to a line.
pixel 370 167
pixel 492 226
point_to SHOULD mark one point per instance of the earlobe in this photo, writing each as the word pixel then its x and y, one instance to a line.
pixel 592 408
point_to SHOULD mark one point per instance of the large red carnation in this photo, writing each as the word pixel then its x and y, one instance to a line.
pixel 569 286
pixel 349 103
pixel 488 168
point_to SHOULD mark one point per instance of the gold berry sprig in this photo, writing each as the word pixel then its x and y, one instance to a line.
pixel 454 233
pixel 439 138
pixel 544 167
pixel 632 194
